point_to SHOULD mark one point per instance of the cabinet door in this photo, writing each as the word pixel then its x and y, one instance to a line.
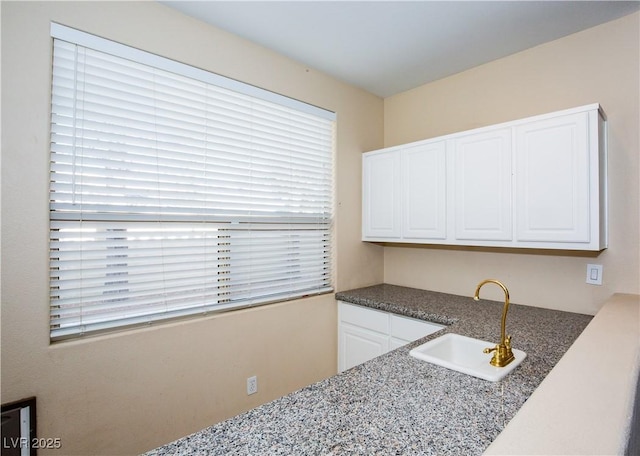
pixel 424 191
pixel 358 345
pixel 397 343
pixel 363 334
pixel 482 186
pixel 552 180
pixel 365 317
pixel 381 195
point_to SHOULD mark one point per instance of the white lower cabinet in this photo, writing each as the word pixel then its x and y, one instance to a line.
pixel 358 345
pixel 365 333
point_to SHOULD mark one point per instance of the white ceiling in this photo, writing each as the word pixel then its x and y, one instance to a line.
pixel 387 47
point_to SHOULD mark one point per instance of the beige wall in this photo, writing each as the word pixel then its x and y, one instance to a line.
pixel 599 65
pixel 132 391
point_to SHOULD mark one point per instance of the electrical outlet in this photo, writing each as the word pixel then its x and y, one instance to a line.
pixel 594 274
pixel 252 385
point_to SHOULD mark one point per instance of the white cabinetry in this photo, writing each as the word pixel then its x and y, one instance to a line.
pixel 381 195
pixel 404 330
pixel 538 182
pixel 365 333
pixel 482 185
pixel 424 191
pixel 558 197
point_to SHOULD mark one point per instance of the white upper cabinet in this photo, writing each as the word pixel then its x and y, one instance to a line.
pixel 381 195
pixel 424 191
pixel 553 185
pixel 532 183
pixel 482 186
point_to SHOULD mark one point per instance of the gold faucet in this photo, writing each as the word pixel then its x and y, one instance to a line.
pixel 502 352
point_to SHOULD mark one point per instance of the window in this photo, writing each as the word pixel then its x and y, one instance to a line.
pixel 175 191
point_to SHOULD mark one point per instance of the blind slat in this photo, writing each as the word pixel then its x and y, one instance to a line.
pixel 173 196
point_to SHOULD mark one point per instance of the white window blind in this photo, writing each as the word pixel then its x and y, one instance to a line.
pixel 176 192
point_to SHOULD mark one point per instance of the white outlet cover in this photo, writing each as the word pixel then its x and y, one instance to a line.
pixel 252 385
pixel 594 274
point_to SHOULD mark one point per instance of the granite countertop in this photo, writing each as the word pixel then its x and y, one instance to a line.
pixel 395 404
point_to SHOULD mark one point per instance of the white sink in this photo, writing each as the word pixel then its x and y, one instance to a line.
pixel 465 354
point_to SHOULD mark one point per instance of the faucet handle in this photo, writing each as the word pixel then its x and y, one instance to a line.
pixel 489 350
pixel 507 342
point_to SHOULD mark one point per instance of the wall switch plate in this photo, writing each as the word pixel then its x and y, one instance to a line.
pixel 252 385
pixel 594 274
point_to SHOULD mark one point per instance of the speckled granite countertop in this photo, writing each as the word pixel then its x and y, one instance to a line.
pixel 395 404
